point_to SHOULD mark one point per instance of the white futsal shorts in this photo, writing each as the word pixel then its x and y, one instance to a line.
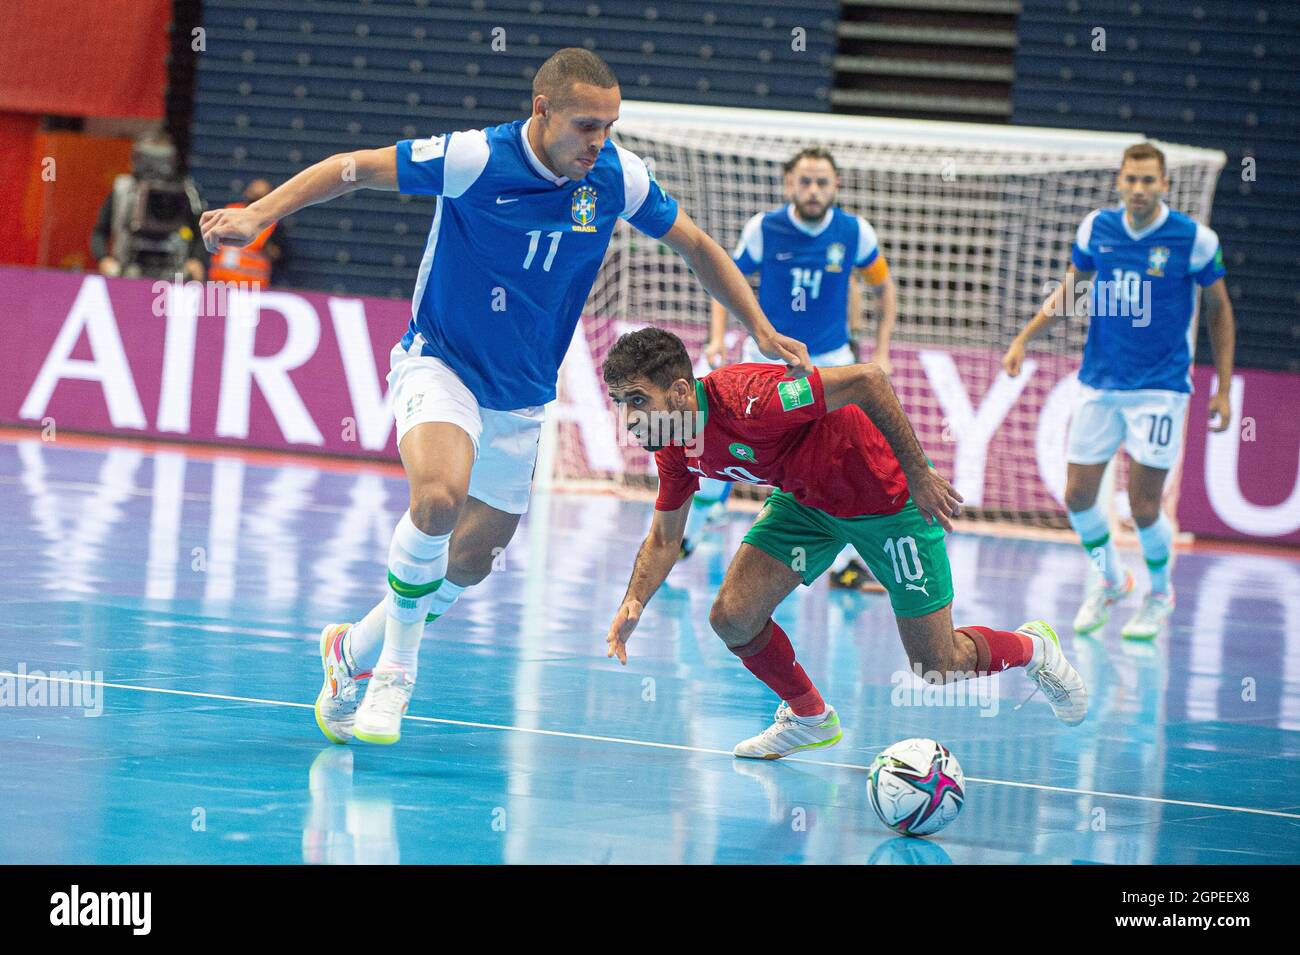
pixel 1149 423
pixel 836 358
pixel 422 388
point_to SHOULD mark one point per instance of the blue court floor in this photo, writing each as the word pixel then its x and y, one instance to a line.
pixel 169 607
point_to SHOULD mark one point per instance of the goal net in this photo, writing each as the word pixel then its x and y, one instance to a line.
pixel 974 221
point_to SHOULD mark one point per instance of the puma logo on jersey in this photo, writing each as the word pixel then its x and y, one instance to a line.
pixel 752 399
pixel 921 588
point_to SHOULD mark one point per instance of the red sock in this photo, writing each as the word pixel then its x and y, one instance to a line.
pixel 770 657
pixel 997 650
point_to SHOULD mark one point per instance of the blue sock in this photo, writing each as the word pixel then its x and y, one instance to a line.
pixel 1094 530
pixel 1156 542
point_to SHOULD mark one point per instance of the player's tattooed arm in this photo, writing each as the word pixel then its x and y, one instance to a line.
pixel 1058 304
pixel 721 279
pixel 654 560
pixel 868 387
pixel 885 295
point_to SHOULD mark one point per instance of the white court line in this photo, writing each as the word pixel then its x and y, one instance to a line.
pixel 651 744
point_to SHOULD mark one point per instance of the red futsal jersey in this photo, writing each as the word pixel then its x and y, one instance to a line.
pixel 760 429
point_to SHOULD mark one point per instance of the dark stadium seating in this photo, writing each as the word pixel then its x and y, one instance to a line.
pixel 284 83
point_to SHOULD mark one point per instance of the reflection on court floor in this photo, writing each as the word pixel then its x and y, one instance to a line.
pixel 181 597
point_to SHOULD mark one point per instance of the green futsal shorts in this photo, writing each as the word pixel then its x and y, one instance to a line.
pixel 905 554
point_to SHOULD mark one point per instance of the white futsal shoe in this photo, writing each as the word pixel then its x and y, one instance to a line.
pixel 379 717
pixel 1098 600
pixel 790 735
pixel 336 704
pixel 1055 676
pixel 1151 616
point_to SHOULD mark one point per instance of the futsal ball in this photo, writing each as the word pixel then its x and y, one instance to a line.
pixel 916 787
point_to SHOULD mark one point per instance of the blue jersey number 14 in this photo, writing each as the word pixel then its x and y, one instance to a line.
pixel 805 278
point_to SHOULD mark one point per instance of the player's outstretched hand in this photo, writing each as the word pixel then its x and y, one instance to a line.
pixel 789 350
pixel 1221 406
pixel 625 621
pixel 236 227
pixel 1014 358
pixel 936 499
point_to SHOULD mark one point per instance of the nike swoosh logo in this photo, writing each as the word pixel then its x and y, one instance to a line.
pixel 502 202
pixel 1103 248
pixel 782 256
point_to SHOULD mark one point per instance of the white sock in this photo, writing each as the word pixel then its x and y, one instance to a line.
pixel 417 564
pixel 1156 541
pixel 365 638
pixel 1094 530
pixel 443 598
pixel 811 720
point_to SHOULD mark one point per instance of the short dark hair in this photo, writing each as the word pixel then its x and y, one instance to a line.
pixel 1140 151
pixel 811 152
pixel 554 79
pixel 650 353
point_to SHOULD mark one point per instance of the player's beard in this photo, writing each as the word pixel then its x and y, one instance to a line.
pixel 810 212
pixel 1144 207
pixel 663 428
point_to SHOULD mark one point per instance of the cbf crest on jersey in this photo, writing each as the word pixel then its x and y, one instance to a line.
pixel 1156 260
pixel 834 256
pixel 583 209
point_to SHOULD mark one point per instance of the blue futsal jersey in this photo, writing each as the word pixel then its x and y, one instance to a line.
pixel 1142 332
pixel 513 252
pixel 804 271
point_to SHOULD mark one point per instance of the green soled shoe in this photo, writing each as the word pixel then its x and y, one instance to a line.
pixel 789 735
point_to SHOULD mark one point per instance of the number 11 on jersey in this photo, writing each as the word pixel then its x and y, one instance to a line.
pixel 535 236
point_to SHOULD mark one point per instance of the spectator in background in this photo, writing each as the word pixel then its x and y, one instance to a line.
pixel 261 261
pixel 148 225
